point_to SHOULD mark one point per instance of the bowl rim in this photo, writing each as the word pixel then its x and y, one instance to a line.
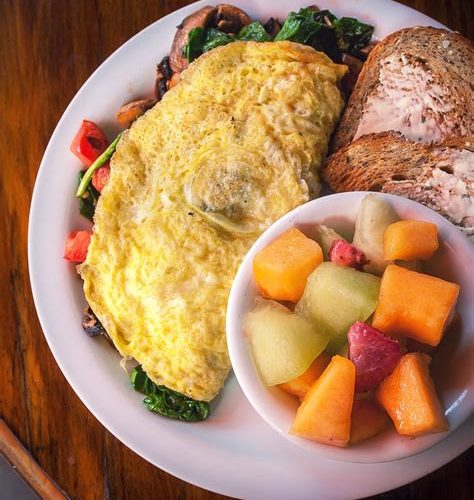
pixel 250 383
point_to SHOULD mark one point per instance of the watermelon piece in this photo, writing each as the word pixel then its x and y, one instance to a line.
pixel 374 355
pixel 345 254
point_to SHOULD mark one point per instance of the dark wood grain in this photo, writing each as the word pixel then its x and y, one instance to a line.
pixel 47 50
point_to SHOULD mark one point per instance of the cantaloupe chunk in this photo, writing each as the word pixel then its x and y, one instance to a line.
pixel 368 419
pixel 325 412
pixel 280 270
pixel 410 240
pixel 414 305
pixel 408 394
pixel 300 385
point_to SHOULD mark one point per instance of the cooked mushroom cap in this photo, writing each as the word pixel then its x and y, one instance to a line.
pixel 163 75
pixel 355 67
pixel 272 27
pixel 129 112
pixel 230 19
pixel 173 80
pixel 365 51
pixel 198 19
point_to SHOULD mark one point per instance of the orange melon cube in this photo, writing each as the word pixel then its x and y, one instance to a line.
pixel 410 240
pixel 325 412
pixel 368 419
pixel 408 394
pixel 299 386
pixel 280 270
pixel 414 305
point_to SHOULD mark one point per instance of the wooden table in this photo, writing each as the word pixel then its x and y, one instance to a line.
pixel 47 50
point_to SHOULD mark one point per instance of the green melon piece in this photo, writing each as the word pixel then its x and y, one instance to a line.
pixel 373 217
pixel 326 236
pixel 283 344
pixel 335 297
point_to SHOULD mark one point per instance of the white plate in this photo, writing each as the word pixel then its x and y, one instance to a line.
pixel 234 452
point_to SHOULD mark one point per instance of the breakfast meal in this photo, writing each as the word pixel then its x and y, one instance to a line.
pixel 350 337
pixel 236 135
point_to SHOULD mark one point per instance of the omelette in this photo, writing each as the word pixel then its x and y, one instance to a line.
pixel 234 146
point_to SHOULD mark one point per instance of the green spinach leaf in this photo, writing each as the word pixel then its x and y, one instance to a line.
pixel 254 32
pixel 326 40
pixel 195 42
pixel 215 38
pixel 88 201
pixel 353 34
pixel 299 26
pixel 167 402
pixel 141 382
pixel 321 30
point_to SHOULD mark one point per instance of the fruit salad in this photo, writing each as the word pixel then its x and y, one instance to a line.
pixel 336 322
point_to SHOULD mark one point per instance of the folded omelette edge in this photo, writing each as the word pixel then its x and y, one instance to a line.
pixel 234 146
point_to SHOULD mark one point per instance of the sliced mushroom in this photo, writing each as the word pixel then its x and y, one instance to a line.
pixel 199 19
pixel 92 326
pixel 165 68
pixel 230 19
pixel 163 75
pixel 174 80
pixel 365 51
pixel 161 86
pixel 355 66
pixel 129 112
pixel 272 27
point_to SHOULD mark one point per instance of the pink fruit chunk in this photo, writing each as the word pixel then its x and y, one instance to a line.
pixel 374 355
pixel 345 254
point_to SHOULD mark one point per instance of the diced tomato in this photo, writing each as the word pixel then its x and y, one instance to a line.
pixel 89 142
pixel 76 247
pixel 101 176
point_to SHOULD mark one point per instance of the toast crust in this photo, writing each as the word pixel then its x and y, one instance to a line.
pixel 440 175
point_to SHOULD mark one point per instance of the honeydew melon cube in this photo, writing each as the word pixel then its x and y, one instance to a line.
pixel 335 297
pixel 283 345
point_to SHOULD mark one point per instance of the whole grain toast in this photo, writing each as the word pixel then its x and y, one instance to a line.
pixel 419 81
pixel 441 175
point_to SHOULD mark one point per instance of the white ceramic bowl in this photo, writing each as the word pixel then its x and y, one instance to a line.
pixel 451 368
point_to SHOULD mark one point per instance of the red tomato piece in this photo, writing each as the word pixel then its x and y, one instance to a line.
pixel 76 246
pixel 101 176
pixel 89 142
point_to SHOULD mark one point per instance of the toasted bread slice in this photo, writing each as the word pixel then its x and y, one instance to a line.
pixel 441 176
pixel 417 81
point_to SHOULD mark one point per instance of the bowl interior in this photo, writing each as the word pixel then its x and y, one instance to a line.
pixel 451 366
